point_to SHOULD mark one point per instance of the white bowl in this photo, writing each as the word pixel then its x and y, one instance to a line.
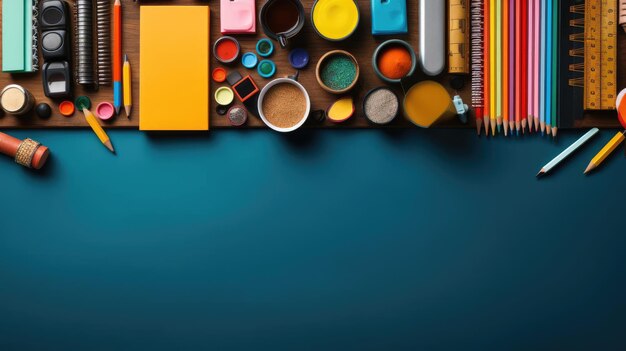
pixel 262 97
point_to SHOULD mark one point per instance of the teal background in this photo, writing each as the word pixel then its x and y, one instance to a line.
pixel 329 240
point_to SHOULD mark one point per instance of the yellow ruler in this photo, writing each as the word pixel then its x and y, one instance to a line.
pixel 600 54
pixel 458 38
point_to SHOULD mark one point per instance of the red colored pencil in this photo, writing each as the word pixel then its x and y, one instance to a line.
pixel 117 55
pixel 524 64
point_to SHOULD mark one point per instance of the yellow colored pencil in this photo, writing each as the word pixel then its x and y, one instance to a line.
pixel 492 64
pixel 606 151
pixel 100 133
pixel 499 64
pixel 128 89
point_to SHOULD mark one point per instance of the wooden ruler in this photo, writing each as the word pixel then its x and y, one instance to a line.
pixel 459 36
pixel 600 54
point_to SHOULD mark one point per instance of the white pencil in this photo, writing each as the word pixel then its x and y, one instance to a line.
pixel 567 152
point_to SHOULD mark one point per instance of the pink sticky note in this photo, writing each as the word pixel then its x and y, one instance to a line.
pixel 237 16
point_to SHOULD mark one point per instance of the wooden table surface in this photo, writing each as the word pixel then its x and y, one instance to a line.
pixel 362 44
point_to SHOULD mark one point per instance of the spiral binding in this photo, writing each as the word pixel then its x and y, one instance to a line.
pixel 35 35
pixel 103 43
pixel 85 72
pixel 477 55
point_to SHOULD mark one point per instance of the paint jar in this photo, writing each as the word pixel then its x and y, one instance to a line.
pixel 337 72
pixel 428 103
pixel 394 60
pixel 381 106
pixel 284 105
pixel 226 49
pixel 16 100
pixel 282 20
pixel 335 20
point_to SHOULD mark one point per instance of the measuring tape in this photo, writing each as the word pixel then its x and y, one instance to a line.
pixel 458 40
pixel 600 54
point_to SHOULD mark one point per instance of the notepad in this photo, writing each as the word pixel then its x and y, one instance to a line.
pixel 174 74
pixel 19 41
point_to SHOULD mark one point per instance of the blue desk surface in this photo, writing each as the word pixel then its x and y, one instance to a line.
pixel 333 240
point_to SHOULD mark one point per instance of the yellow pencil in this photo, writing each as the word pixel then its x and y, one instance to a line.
pixel 128 90
pixel 499 64
pixel 606 151
pixel 492 64
pixel 95 126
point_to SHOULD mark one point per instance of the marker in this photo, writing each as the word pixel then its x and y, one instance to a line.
pixel 100 133
pixel 128 90
pixel 117 56
pixel 567 152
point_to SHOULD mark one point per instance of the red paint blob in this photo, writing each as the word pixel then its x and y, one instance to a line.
pixel 227 50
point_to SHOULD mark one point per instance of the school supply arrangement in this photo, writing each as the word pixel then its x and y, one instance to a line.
pixel 506 67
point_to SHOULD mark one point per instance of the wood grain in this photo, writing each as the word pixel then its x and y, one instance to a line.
pixel 362 44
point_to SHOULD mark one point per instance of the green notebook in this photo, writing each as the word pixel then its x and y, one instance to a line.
pixel 18 30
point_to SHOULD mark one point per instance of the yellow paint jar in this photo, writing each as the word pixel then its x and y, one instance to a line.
pixel 427 103
pixel 335 19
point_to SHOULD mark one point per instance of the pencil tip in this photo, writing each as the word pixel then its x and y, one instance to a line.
pixel 540 173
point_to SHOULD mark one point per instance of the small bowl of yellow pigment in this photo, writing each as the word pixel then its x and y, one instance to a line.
pixel 335 20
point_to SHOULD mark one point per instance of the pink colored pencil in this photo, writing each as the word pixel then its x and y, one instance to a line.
pixel 513 50
pixel 531 62
pixel 537 51
pixel 518 67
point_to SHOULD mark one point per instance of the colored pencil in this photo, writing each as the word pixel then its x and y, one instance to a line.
pixel 537 64
pixel 128 90
pixel 499 65
pixel 555 65
pixel 519 52
pixel 531 63
pixel 567 152
pixel 506 44
pixel 548 68
pixel 523 84
pixel 117 56
pixel 606 151
pixel 477 58
pixel 487 66
pixel 492 64
pixel 511 65
pixel 100 133
pixel 542 69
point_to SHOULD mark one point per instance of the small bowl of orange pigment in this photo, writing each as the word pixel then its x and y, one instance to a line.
pixel 394 60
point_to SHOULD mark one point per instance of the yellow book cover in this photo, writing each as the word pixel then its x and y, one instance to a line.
pixel 174 68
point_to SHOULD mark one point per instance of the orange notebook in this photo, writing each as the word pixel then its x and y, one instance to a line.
pixel 174 68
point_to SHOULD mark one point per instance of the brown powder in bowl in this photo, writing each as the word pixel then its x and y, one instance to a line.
pixel 284 105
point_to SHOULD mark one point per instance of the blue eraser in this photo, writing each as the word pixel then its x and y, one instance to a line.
pixel 389 17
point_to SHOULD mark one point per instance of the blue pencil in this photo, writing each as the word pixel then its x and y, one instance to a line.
pixel 549 82
pixel 542 69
